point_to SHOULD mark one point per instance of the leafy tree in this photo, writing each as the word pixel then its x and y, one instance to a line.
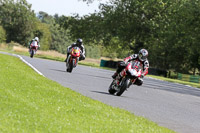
pixel 191 30
pixel 88 27
pixel 168 29
pixel 46 18
pixel 59 37
pixel 176 38
pixel 17 19
pixel 43 32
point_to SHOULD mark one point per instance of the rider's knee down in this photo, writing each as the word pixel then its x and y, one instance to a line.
pixel 139 81
pixel 82 58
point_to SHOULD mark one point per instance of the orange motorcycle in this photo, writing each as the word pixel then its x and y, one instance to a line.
pixel 73 59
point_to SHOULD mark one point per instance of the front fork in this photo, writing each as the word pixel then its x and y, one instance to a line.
pixel 118 83
pixel 75 62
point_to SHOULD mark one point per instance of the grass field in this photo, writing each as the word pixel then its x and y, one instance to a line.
pixel 32 103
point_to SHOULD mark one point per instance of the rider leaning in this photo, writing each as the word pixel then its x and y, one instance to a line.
pixel 79 43
pixel 34 39
pixel 140 61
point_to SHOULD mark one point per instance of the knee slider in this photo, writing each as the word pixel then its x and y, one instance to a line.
pixel 139 82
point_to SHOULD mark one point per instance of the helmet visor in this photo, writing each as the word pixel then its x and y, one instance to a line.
pixel 141 57
pixel 79 43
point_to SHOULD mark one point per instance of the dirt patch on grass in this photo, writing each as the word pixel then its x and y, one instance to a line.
pixel 19 49
pixel 40 52
pixel 3 46
pixel 51 53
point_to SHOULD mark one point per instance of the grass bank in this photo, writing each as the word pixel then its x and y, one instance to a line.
pixel 32 103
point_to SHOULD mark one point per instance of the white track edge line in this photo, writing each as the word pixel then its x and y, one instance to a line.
pixel 29 65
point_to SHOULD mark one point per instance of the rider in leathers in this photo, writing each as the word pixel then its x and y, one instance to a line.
pixel 79 43
pixel 35 39
pixel 139 60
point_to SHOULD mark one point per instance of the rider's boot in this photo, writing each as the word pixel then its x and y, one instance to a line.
pixel 65 60
pixel 118 79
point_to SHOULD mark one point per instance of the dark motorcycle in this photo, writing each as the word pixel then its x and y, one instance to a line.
pixel 73 58
pixel 125 79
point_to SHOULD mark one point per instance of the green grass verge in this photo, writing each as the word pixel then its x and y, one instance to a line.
pixel 176 81
pixel 32 103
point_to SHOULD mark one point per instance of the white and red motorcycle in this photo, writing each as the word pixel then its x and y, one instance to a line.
pixel 33 48
pixel 125 79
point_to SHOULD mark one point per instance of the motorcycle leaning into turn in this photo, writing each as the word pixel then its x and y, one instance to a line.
pixel 73 59
pixel 128 76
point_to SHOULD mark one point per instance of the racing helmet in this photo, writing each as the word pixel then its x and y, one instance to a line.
pixel 142 55
pixel 79 41
pixel 36 39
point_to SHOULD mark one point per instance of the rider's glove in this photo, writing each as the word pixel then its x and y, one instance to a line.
pixel 122 63
pixel 125 63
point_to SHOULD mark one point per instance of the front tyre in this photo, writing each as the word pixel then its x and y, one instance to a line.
pixel 124 86
pixel 32 53
pixel 111 90
pixel 70 67
pixel 69 64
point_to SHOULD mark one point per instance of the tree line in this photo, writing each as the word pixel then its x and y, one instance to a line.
pixel 168 29
pixel 19 23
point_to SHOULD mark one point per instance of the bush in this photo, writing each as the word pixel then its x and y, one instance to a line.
pixel 172 75
pixel 2 35
pixel 93 52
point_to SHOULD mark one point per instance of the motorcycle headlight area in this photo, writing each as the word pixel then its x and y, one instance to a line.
pixel 133 72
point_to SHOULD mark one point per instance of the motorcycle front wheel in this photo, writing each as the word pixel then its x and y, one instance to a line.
pixel 32 53
pixel 111 90
pixel 124 86
pixel 70 67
